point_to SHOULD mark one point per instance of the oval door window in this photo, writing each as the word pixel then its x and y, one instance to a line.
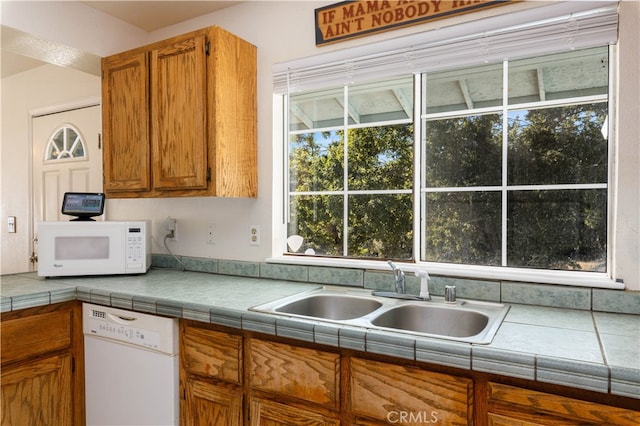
pixel 65 144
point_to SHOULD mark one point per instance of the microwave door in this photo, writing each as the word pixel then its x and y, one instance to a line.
pixel 71 248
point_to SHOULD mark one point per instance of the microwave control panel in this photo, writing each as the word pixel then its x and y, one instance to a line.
pixel 136 248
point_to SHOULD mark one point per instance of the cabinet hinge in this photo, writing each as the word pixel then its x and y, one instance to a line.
pixel 207 48
pixel 73 364
pixel 99 140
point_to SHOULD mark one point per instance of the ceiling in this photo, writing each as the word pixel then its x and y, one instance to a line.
pixel 22 52
pixel 153 15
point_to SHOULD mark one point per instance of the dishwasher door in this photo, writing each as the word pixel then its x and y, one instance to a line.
pixel 131 367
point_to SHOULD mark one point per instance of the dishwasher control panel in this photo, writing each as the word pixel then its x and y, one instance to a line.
pixel 147 331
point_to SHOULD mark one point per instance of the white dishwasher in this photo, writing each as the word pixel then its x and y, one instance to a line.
pixel 131 367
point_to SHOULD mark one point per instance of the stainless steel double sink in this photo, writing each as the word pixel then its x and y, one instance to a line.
pixel 464 320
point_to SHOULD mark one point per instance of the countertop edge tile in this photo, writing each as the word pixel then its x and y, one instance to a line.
pixel 300 330
pixel 196 312
pixel 625 382
pixel 100 297
pixel 226 317
pixel 169 308
pixel 444 352
pixel 31 300
pixel 503 362
pixel 145 304
pixel 122 301
pixel 262 323
pixel 326 334
pixel 391 344
pixel 352 338
pixel 5 304
pixel 575 374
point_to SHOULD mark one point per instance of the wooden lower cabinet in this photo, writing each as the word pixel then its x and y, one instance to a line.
pixel 407 395
pixel 38 392
pixel 211 404
pixel 510 405
pixel 287 371
pixel 231 377
pixel 42 366
pixel 210 376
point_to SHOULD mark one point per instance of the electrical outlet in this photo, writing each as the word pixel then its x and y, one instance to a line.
pixel 172 228
pixel 211 232
pixel 254 235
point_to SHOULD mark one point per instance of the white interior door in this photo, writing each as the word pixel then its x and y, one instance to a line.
pixel 67 157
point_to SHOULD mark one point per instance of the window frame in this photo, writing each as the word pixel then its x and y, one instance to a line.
pixel 480 272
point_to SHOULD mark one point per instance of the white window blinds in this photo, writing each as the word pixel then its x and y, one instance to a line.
pixel 548 29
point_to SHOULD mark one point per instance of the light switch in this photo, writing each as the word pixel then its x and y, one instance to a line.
pixel 11 224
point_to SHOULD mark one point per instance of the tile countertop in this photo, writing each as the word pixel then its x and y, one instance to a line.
pixel 591 350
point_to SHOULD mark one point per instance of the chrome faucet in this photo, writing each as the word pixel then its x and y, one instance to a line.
pixel 399 278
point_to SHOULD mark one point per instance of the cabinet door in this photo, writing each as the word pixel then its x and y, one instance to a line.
pixel 38 392
pixel 209 404
pixel 125 122
pixel 306 374
pixel 212 354
pixel 178 114
pixel 405 395
pixel 269 413
pixel 513 405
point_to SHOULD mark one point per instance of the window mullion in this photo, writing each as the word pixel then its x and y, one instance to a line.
pixel 418 212
pixel 345 177
pixel 505 152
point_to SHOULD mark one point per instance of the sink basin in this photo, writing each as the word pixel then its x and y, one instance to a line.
pixel 331 306
pixel 465 320
pixel 438 320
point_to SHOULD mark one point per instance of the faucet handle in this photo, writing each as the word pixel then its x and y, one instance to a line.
pixel 450 294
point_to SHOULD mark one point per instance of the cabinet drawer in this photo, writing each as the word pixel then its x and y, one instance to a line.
pixel 400 394
pixel 212 354
pixel 35 335
pixel 539 407
pixel 265 412
pixel 303 373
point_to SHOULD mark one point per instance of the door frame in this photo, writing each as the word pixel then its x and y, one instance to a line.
pixel 35 113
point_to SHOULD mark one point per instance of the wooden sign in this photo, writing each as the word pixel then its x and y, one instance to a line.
pixel 351 19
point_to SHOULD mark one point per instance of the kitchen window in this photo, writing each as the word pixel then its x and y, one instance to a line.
pixel 514 177
pixel 499 164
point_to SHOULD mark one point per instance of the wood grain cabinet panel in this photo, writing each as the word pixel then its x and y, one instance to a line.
pixel 180 118
pixel 34 335
pixel 38 392
pixel 269 413
pixel 42 372
pixel 178 114
pixel 406 395
pixel 212 354
pixel 307 374
pixel 211 404
pixel 126 152
pixel 510 405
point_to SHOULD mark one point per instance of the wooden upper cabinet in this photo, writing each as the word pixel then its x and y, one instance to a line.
pixel 125 123
pixel 178 114
pixel 184 113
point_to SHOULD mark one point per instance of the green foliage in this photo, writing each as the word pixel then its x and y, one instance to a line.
pixel 553 228
pixel 378 158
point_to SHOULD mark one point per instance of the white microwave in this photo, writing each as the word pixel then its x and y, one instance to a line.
pixel 93 248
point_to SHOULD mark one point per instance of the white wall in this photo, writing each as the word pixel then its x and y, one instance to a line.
pixel 284 30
